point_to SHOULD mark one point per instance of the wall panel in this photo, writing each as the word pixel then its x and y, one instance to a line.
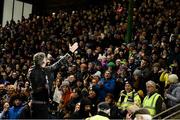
pixel 27 10
pixel 7 11
pixel 16 13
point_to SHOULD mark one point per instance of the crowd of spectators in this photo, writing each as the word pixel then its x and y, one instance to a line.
pixel 153 54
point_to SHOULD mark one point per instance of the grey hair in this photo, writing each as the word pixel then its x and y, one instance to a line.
pixel 150 82
pixel 38 58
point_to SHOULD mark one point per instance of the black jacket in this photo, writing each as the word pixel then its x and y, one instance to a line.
pixel 38 77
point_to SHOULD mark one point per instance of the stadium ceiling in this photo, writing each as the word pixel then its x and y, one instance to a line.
pixel 27 1
pixel 61 2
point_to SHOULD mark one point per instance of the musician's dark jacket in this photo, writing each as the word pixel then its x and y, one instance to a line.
pixel 38 77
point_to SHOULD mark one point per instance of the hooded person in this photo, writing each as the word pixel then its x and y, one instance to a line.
pixel 103 112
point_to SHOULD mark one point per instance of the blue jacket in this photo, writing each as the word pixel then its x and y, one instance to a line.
pixel 14 112
pixel 108 87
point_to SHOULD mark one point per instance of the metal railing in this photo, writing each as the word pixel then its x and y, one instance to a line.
pixel 175 115
pixel 169 113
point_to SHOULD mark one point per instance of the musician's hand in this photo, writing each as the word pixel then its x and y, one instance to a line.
pixel 73 47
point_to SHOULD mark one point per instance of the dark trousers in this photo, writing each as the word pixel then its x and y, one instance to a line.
pixel 39 111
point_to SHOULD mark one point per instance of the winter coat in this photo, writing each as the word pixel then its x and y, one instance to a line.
pixel 108 87
pixel 174 95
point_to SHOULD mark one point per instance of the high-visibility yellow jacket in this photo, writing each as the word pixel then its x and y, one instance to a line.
pixel 127 99
pixel 150 103
pixel 97 117
pixel 164 78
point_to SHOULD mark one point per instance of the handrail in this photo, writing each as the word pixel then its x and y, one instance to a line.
pixel 167 112
pixel 171 115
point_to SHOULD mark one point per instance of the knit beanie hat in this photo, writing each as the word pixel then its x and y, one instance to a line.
pixel 111 64
pixel 98 73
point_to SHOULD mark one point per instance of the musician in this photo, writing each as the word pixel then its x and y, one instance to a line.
pixel 38 76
